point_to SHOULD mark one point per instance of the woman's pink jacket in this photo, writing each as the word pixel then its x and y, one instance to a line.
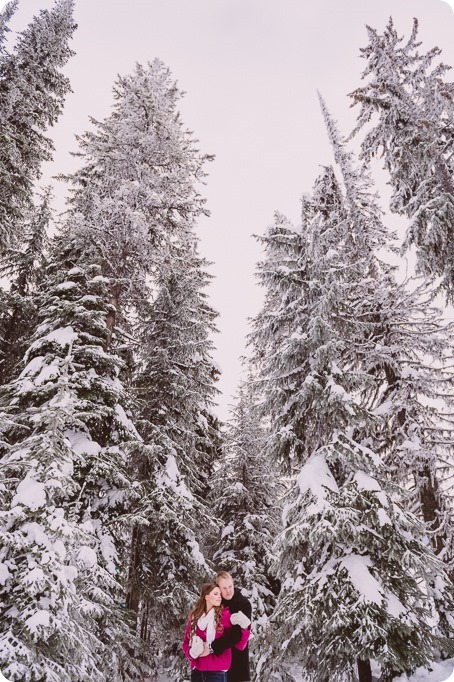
pixel 213 662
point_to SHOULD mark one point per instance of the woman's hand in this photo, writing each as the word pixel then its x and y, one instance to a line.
pixel 197 647
pixel 206 650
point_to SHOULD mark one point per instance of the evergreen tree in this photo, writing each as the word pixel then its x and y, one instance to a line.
pixel 136 191
pixel 133 211
pixel 23 266
pixel 407 350
pixel 279 335
pixel 353 566
pixel 313 349
pixel 414 133
pixel 175 388
pixel 176 376
pixel 32 93
pixel 245 501
pixel 6 15
pixel 66 493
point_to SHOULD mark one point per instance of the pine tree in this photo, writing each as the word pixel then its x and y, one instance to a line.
pixel 66 493
pixel 245 501
pixel 353 566
pixel 176 377
pixel 407 349
pixel 5 17
pixel 136 190
pixel 175 388
pixel 313 352
pixel 278 338
pixel 32 94
pixel 133 211
pixel 23 267
pixel 414 134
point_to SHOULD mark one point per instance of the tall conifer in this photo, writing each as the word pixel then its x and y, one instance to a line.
pixel 410 104
pixel 66 492
pixel 32 94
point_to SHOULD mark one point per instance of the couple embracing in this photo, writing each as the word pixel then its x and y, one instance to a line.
pixel 217 633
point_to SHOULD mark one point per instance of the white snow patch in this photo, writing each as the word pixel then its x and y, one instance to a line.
pixel 127 423
pixel 384 408
pixel 439 672
pixel 39 619
pixel 64 336
pixel 35 575
pixel 81 443
pixel 33 367
pixel 47 372
pixel 87 556
pixel 363 581
pixel 383 518
pixel 411 445
pixel 196 553
pixel 109 553
pixel 394 605
pixel 227 531
pixel 366 482
pixel 35 533
pixel 30 493
pixel 316 477
pixel 66 285
pixel 4 574
pixel 173 479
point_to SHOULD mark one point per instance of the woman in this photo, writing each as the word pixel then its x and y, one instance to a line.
pixel 208 621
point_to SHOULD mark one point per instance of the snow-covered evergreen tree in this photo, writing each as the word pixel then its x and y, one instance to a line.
pixel 176 375
pixel 23 266
pixel 136 190
pixel 314 349
pixel 353 566
pixel 66 493
pixel 407 349
pixel 175 390
pixel 32 93
pixel 133 211
pixel 414 133
pixel 6 15
pixel 279 336
pixel 245 502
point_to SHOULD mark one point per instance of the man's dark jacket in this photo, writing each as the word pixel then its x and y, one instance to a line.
pixel 239 670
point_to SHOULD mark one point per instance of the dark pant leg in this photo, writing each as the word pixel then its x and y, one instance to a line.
pixel 196 676
pixel 214 677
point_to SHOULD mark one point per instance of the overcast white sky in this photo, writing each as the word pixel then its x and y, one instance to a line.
pixel 250 69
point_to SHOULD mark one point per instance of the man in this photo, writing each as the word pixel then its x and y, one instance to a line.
pixel 241 610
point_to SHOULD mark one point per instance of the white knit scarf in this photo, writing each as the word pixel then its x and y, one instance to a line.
pixel 206 622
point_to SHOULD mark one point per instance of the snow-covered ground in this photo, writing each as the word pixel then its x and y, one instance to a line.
pixel 440 672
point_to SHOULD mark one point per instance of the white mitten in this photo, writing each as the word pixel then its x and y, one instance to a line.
pixel 240 619
pixel 196 647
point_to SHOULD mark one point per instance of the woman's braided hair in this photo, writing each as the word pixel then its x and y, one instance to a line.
pixel 199 610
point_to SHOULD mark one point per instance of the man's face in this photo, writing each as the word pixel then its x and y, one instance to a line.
pixel 226 587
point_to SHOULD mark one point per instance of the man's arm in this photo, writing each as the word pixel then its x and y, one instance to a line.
pixel 230 637
pixel 246 608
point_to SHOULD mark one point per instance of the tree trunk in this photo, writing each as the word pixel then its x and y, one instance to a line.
pixel 133 592
pixel 364 671
pixel 432 509
pixel 427 487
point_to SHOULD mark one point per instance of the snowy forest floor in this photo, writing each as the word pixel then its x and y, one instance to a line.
pixel 439 672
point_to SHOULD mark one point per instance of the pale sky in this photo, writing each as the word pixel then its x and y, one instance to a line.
pixel 250 70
